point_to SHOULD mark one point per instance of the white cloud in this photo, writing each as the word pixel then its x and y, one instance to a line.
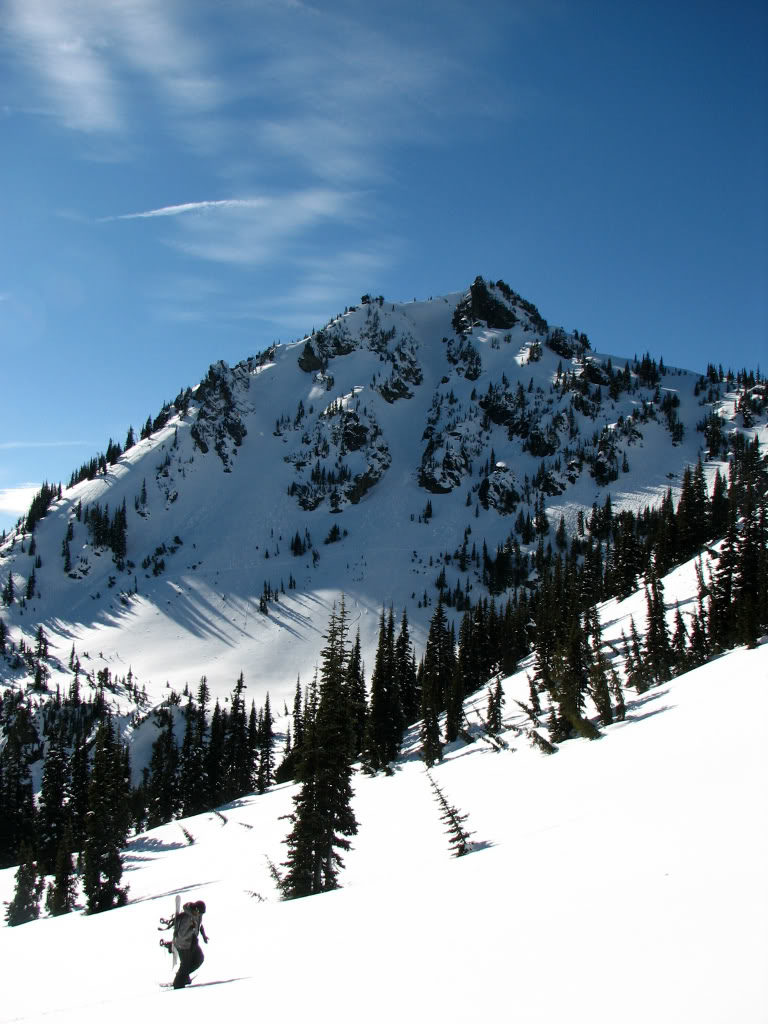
pixel 15 501
pixel 16 445
pixel 87 54
pixel 259 231
pixel 51 39
pixel 199 207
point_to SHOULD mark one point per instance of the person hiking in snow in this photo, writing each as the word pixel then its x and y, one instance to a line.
pixel 188 925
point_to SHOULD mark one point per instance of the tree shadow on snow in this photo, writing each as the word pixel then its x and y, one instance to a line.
pixel 145 844
pixel 635 712
pixel 170 892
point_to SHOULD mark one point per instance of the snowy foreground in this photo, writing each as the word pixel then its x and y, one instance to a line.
pixel 620 880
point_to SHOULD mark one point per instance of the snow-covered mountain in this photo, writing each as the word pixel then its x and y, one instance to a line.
pixel 400 454
pixel 360 460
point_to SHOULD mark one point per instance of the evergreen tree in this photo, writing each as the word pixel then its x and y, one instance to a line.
pixel 214 757
pixel 598 670
pixel 107 824
pixel 384 724
pixel 570 684
pixel 459 837
pixel 238 766
pixel 163 785
pixel 53 809
pixel 356 697
pixel 79 774
pixel 9 590
pixel 17 808
pixel 494 712
pixel 323 818
pixel 192 790
pixel 432 690
pixel 405 669
pixel 266 742
pixel 25 905
pixel 679 643
pixel 254 736
pixel 61 896
pixel 657 643
pixel 454 704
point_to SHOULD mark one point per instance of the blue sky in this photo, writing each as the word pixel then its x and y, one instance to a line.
pixel 185 181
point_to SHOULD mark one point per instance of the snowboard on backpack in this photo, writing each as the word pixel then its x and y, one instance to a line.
pixel 165 924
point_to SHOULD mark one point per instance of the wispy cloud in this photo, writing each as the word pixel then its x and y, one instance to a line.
pixel 87 55
pixel 252 230
pixel 15 501
pixel 260 234
pixel 49 38
pixel 15 445
pixel 199 207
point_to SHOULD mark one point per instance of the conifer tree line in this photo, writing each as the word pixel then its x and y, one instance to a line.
pixel 87 807
pixel 559 623
pixel 82 816
pixel 224 753
pixel 78 826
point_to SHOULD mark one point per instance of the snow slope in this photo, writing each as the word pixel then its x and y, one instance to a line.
pixel 618 880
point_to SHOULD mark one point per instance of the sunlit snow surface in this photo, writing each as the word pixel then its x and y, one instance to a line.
pixel 618 880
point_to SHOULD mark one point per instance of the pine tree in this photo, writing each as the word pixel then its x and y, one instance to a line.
pixel 53 809
pixel 107 824
pixel 598 670
pixel 9 590
pixel 323 818
pixel 454 704
pixel 493 718
pixel 637 667
pixel 405 668
pixel 657 644
pixel 570 684
pixel 384 721
pixel 25 905
pixel 214 757
pixel 61 896
pixel 459 837
pixel 79 774
pixel 163 785
pixel 17 808
pixel 266 747
pixel 679 643
pixel 238 766
pixel 192 791
pixel 437 671
pixel 356 697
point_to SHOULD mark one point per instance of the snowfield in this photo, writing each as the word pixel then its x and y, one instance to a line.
pixel 618 880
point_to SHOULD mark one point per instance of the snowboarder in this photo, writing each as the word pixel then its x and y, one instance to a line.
pixel 187 926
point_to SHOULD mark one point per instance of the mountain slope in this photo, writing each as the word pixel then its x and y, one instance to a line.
pixel 402 429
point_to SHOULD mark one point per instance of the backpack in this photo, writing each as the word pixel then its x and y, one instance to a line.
pixel 186 928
